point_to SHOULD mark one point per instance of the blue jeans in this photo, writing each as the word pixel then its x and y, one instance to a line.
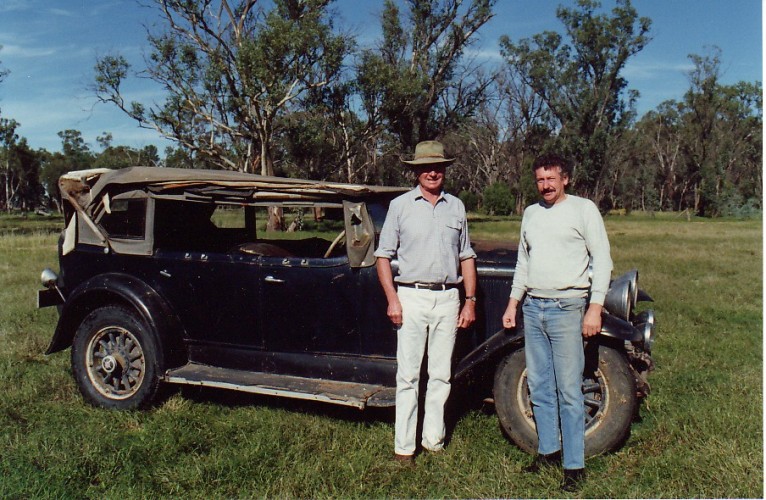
pixel 553 346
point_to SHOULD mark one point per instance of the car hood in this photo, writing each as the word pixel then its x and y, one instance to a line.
pixel 496 253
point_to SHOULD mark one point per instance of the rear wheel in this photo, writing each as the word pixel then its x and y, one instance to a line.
pixel 610 400
pixel 115 360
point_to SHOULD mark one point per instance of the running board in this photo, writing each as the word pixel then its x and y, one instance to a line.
pixel 328 391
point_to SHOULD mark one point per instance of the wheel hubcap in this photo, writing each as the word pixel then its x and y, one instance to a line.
pixel 108 364
pixel 115 362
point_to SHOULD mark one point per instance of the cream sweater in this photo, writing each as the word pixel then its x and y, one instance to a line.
pixel 557 243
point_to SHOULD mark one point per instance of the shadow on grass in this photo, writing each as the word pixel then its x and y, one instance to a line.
pixel 236 399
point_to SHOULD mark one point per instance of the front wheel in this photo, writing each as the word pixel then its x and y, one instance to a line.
pixel 610 400
pixel 115 360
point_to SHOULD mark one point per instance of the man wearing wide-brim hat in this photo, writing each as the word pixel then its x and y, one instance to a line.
pixel 426 229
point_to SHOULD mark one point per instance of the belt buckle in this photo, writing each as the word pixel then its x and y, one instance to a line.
pixel 434 287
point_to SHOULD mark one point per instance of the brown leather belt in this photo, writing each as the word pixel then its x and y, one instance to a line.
pixel 429 286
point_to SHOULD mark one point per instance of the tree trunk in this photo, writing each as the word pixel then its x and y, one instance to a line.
pixel 275 222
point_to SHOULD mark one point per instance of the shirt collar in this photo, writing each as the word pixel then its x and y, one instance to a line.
pixel 417 194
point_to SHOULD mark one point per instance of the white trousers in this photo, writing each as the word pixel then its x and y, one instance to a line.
pixel 429 318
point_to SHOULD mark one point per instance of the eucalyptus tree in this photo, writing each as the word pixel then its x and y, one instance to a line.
pixel 19 169
pixel 659 134
pixel 119 156
pixel 498 143
pixel 8 161
pixel 721 137
pixel 417 83
pixel 229 69
pixel 578 76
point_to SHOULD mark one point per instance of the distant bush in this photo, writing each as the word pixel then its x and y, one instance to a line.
pixel 749 209
pixel 469 199
pixel 498 199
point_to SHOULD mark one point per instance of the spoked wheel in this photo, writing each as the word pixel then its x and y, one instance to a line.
pixel 115 359
pixel 610 400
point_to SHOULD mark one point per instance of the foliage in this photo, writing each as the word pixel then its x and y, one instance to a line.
pixel 498 199
pixel 699 435
pixel 414 84
pixel 277 88
pixel 705 153
pixel 470 200
pixel 230 69
pixel 122 156
pixel 581 83
pixel 19 170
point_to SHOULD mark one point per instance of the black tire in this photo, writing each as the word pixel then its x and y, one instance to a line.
pixel 610 400
pixel 115 360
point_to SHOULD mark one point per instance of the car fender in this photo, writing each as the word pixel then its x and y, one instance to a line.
pixel 611 326
pixel 111 288
pixel 614 327
pixel 489 349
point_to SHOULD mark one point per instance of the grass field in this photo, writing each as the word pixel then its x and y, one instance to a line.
pixel 700 433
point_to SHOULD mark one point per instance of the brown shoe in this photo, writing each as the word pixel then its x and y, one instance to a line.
pixel 408 460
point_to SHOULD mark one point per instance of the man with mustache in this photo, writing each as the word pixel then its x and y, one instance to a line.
pixel 426 229
pixel 560 236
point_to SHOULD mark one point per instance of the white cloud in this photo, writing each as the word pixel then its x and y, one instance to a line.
pixel 20 51
pixel 61 12
pixel 14 5
pixel 655 69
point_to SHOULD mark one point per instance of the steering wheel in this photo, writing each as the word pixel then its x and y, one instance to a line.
pixel 334 243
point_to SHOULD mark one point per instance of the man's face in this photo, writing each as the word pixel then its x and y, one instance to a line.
pixel 550 184
pixel 431 177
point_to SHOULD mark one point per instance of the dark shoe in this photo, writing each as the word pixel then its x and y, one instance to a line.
pixel 406 460
pixel 573 479
pixel 541 461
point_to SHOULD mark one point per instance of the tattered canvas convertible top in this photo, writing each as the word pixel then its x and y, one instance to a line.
pixel 86 187
pixel 91 193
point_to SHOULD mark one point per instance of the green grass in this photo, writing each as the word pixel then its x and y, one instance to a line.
pixel 700 432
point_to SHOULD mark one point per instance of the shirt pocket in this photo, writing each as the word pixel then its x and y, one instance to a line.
pixel 451 231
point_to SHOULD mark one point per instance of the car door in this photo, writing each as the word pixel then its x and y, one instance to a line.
pixel 308 306
pixel 213 290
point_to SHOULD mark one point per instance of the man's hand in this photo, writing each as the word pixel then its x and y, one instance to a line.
pixel 386 277
pixel 395 311
pixel 509 317
pixel 591 322
pixel 467 314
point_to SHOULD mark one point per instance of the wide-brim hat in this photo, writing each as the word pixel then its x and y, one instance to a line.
pixel 429 153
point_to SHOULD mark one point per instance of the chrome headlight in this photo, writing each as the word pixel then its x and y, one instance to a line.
pixel 622 295
pixel 645 323
pixel 48 278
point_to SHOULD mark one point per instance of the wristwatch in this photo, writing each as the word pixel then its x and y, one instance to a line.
pixel 470 297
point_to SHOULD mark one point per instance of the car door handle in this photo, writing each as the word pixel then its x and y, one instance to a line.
pixel 272 279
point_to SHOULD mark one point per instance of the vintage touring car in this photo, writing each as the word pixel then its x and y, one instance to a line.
pixel 167 276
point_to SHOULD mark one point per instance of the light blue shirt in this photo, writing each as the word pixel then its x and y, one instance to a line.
pixel 429 241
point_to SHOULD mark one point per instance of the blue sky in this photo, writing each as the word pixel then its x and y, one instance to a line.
pixel 50 48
